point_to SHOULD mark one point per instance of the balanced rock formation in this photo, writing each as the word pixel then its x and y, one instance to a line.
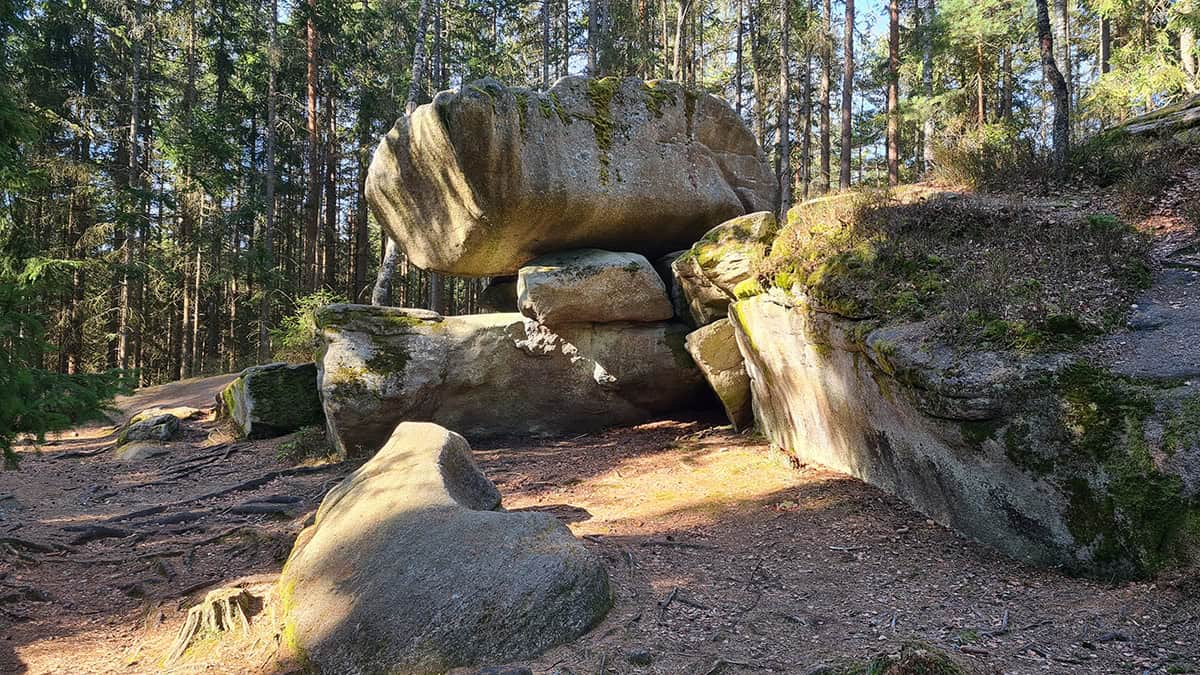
pixel 489 375
pixel 721 266
pixel 411 567
pixel 272 399
pixel 714 349
pixel 486 178
pixel 590 285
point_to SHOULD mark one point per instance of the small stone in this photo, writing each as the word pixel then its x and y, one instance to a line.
pixel 592 286
pixel 640 657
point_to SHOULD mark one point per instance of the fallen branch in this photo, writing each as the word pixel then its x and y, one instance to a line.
pixel 34 546
pixel 81 453
pixel 90 533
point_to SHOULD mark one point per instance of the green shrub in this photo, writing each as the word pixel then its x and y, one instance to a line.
pixel 992 157
pixel 296 339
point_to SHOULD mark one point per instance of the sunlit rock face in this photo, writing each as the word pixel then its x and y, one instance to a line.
pixel 488 177
pixel 410 566
pixel 1048 458
pixel 490 375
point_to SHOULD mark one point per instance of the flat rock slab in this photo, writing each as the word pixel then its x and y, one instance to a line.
pixel 590 285
pixel 272 399
pixel 490 375
pixel 488 177
pixel 408 568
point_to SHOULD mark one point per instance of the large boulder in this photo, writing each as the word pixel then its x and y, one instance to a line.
pixel 494 374
pixel 410 567
pixel 714 349
pixel 488 177
pixel 272 399
pixel 721 266
pixel 590 285
pixel 1051 458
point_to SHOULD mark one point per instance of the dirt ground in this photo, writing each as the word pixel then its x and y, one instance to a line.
pixel 723 557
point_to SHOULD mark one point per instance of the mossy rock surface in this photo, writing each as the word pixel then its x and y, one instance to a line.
pixel 724 265
pixel 272 399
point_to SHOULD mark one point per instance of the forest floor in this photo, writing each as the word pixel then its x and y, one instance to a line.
pixel 723 557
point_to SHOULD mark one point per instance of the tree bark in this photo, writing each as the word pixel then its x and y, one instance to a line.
pixel 737 69
pixel 313 194
pixel 893 93
pixel 847 98
pixel 1187 48
pixel 927 127
pixel 824 123
pixel 268 242
pixel 1105 43
pixel 785 105
pixel 1062 97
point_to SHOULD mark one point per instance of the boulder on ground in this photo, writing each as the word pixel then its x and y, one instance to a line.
pixel 715 350
pixel 149 425
pixel 488 177
pixel 721 266
pixel 410 567
pixel 500 295
pixel 590 285
pixel 136 451
pixel 272 399
pixel 490 375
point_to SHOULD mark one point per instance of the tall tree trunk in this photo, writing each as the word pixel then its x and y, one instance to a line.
pixel 382 294
pixel 980 95
pixel 545 44
pixel 1062 97
pixel 679 68
pixel 313 194
pixel 737 69
pixel 127 254
pixel 1060 22
pixel 927 128
pixel 847 98
pixel 268 242
pixel 825 86
pixel 592 38
pixel 1105 43
pixel 893 94
pixel 1187 48
pixel 805 175
pixel 329 252
pixel 785 109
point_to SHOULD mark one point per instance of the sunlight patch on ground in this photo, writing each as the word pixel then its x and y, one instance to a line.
pixel 687 486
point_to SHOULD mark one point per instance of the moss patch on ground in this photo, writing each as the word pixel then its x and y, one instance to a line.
pixel 986 272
